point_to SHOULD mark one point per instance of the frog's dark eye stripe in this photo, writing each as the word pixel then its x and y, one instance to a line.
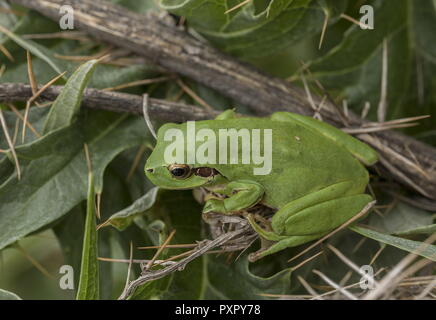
pixel 205 172
pixel 180 171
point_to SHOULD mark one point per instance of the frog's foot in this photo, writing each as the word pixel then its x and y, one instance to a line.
pixel 240 195
pixel 215 205
pixel 281 245
pixel 272 242
pixel 265 234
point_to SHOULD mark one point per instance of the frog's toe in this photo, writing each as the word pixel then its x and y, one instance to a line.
pixel 214 205
pixel 268 235
pixel 289 242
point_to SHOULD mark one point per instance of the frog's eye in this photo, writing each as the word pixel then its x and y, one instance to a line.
pixel 180 171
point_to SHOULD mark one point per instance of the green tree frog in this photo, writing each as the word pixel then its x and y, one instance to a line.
pixel 316 179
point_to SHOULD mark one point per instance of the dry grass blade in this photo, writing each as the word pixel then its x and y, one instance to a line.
pixel 159 251
pixel 335 285
pixel 19 115
pixel 409 271
pixel 129 268
pixel 377 129
pixel 359 245
pixel 391 278
pixel 431 286
pixel 35 263
pixel 347 261
pixel 350 286
pixel 377 254
pixel 309 289
pixel 178 256
pixel 6 52
pixel 17 125
pixel 103 224
pixel 10 143
pixel 71 35
pixel 193 95
pixel 344 225
pixel 178 246
pixel 104 54
pixel 342 116
pixel 382 106
pixel 31 75
pixel 2 70
pixel 405 178
pixel 243 3
pixel 307 260
pixel 308 93
pixel 351 19
pixel 33 98
pixel 139 261
pixel 145 105
pixel 138 83
pixel 365 110
pixel 286 296
pixel 386 125
pixel 398 121
pixel 324 28
pixel 11 11
pixel 136 161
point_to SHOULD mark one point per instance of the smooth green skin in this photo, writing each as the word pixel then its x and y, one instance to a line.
pixel 317 180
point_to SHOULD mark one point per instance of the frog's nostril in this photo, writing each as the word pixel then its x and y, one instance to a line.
pixel 150 170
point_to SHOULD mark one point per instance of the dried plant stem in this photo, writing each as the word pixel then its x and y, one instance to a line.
pixel 390 279
pixel 111 101
pixel 203 247
pixel 10 143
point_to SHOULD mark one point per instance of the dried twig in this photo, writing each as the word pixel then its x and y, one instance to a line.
pixel 10 143
pixel 138 83
pixel 159 251
pixel 203 247
pixel 393 277
pixel 243 3
pixel 112 101
pixel 314 294
pixel 335 285
pixel 34 97
pixel 382 106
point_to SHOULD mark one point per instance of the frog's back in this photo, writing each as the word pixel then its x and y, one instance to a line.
pixel 302 160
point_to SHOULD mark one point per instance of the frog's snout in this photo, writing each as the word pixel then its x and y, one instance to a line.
pixel 150 170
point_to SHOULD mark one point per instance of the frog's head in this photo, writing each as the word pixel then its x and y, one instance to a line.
pixel 170 173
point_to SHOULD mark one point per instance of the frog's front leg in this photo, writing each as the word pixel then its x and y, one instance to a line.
pixel 240 194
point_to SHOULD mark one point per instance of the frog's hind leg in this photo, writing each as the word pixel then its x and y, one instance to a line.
pixel 280 218
pixel 312 216
pixel 313 223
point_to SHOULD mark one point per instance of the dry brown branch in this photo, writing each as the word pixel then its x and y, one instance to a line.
pixel 202 248
pixel 112 101
pixel 164 44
